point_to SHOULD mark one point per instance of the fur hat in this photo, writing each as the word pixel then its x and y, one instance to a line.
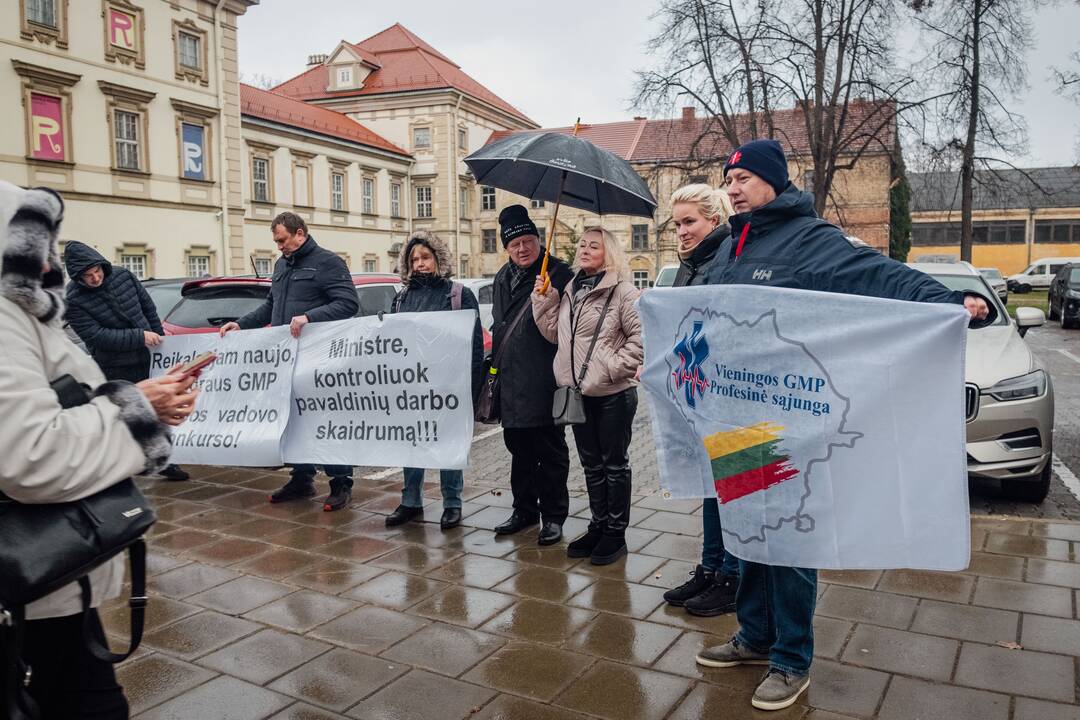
pixel 29 223
pixel 433 243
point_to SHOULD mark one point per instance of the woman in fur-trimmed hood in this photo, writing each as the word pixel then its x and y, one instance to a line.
pixel 425 265
pixel 55 454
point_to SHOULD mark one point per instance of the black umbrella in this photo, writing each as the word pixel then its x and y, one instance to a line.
pixel 563 169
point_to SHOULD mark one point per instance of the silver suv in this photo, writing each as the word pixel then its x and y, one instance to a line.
pixel 1010 398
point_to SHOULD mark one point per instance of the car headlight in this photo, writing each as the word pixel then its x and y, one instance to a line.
pixel 1024 387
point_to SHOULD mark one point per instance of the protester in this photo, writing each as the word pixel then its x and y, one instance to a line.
pixel 54 455
pixel 778 240
pixel 598 303
pixel 700 216
pixel 113 315
pixel 425 268
pixel 540 459
pixel 310 284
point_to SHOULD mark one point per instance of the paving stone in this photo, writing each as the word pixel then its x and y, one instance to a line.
pixel 1026 597
pixel 671 574
pixel 204 493
pixel 190 579
pixel 172 511
pixel 830 635
pixel 301 611
pixel 712 701
pixel 241 500
pixel 278 563
pixel 369 629
pixel 487 518
pixel 415 559
pixel 876 608
pixel 845 689
pixel 1009 526
pixel 466 606
pixel 153 679
pixel 633 568
pixel 679 659
pixel 264 656
pixel 338 679
pixel 624 639
pixel 622 598
pixel 260 528
pixel 950 587
pixel 1021 672
pixel 910 699
pixel 222 698
pixel 545 584
pixel 637 538
pixel 1028 709
pixel 156 563
pixel 477 571
pixel 227 551
pixel 1048 634
pixel 357 548
pixel 675 547
pixel 965 622
pixel 659 502
pixel 619 692
pixel 241 595
pixel 1008 567
pixel 303 711
pixel 552 556
pixel 306 537
pixel 216 520
pixel 396 590
pixel 508 707
pixel 422 695
pixel 866 579
pixel 484 542
pixel 1027 546
pixel 199 634
pixel 670 522
pixel 901 652
pixel 335 576
pixel 539 621
pixel 160 611
pixel 535 671
pixel 1049 572
pixel 446 649
pixel 180 540
pixel 1062 531
pixel 723 625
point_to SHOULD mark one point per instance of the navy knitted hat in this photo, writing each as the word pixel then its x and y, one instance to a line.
pixel 764 158
pixel 515 222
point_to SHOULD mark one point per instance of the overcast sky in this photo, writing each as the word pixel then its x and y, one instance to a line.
pixel 558 59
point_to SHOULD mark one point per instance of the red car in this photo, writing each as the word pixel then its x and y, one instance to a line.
pixel 209 303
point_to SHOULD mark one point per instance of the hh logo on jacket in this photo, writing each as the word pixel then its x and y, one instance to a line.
pixel 762 274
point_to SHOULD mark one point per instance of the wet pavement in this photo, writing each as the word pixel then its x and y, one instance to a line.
pixel 285 611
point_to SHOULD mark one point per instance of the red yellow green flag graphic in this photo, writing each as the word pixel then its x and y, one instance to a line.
pixel 748 459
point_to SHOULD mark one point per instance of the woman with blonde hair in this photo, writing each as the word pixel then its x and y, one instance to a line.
pixel 595 324
pixel 700 214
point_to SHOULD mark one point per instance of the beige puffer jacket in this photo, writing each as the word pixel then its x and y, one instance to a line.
pixel 618 352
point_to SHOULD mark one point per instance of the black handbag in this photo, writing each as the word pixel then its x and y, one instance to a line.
pixel 568 405
pixel 44 547
pixel 488 410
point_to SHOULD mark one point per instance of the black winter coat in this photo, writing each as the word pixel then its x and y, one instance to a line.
pixel 527 381
pixel 693 269
pixel 312 281
pixel 433 295
pixel 112 317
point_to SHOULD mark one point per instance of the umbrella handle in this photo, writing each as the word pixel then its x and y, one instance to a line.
pixel 554 228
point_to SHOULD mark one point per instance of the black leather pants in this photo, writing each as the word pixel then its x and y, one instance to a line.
pixel 603 443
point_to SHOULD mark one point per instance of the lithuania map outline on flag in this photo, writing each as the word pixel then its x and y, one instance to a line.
pixel 766 411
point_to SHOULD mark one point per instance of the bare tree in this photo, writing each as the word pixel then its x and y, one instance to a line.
pixel 975 67
pixel 260 80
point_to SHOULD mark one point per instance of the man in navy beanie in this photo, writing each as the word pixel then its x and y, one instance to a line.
pixel 777 239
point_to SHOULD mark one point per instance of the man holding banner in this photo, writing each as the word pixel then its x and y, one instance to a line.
pixel 778 240
pixel 310 284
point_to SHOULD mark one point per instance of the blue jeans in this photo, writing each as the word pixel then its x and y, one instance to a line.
pixel 775 608
pixel 713 555
pixel 452 481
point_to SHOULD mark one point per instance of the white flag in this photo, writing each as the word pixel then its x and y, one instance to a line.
pixel 830 427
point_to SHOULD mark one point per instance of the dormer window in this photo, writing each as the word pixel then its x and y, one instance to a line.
pixel 344 77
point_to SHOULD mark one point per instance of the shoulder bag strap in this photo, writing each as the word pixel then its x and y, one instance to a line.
pixel 456 289
pixel 510 331
pixel 592 345
pixel 137 603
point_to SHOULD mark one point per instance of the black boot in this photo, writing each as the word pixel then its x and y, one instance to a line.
pixel 584 545
pixel 608 550
pixel 298 488
pixel 404 514
pixel 700 581
pixel 717 600
pixel 174 472
pixel 340 494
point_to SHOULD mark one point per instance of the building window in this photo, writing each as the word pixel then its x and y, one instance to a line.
pixel 463 201
pixel 260 179
pixel 344 77
pixel 463 267
pixel 369 195
pixel 302 185
pixel 126 139
pixel 395 199
pixel 462 139
pixel 423 201
pixel 421 138
pixel 488 241
pixel 193 152
pixel 124 33
pixel 536 204
pixel 45 21
pixel 639 237
pixel 42 12
pixel 487 198
pixel 198 265
pixel 136 264
pixel 48 131
pixel 371 265
pixel 337 191
pixel 1000 232
pixel 641 279
pixel 542 234
pixel 190 52
pixel 262 266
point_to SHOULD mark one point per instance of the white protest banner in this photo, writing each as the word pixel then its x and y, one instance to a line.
pixel 391 392
pixel 830 427
pixel 244 405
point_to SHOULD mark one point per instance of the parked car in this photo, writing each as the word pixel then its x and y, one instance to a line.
pixel 1063 298
pixel 165 293
pixel 209 303
pixel 483 289
pixel 997 282
pixel 1039 274
pixel 666 276
pixel 937 258
pixel 1009 394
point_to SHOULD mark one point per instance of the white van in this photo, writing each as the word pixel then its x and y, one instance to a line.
pixel 1039 274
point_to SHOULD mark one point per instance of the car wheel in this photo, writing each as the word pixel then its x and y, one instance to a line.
pixel 1065 322
pixel 1050 311
pixel 1032 491
pixel 1025 288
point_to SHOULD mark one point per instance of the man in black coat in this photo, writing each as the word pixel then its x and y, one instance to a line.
pixel 310 284
pixel 541 460
pixel 113 315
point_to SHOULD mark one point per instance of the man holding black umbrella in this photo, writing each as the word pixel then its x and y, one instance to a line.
pixel 541 459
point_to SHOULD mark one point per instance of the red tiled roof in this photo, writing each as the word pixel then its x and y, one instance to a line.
pixel 278 108
pixel 405 63
pixel 681 139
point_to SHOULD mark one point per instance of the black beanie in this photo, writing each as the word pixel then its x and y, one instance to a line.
pixel 515 222
pixel 764 158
